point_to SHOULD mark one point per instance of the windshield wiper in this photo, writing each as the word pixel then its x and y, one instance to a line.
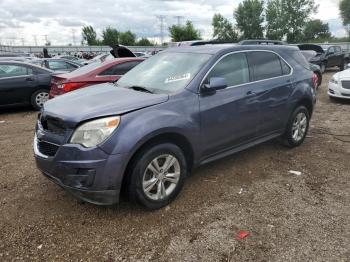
pixel 141 88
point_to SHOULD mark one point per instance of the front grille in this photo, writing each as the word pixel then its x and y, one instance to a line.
pixel 348 95
pixel 47 149
pixel 52 125
pixel 345 84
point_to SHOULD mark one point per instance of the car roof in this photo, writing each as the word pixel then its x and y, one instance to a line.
pixel 222 48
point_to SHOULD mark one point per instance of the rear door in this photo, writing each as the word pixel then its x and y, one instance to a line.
pixel 272 78
pixel 332 57
pixel 16 83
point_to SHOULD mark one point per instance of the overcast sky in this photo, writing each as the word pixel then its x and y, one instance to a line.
pixel 22 20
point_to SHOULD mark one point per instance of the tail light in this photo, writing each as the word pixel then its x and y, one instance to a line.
pixel 68 87
pixel 315 81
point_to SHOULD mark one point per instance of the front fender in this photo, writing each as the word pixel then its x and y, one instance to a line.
pixel 179 116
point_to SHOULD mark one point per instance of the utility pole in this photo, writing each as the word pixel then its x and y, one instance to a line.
pixel 46 39
pixel 179 18
pixel 161 21
pixel 22 40
pixel 73 35
pixel 35 39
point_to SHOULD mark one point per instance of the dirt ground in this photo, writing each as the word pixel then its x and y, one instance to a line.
pixel 288 217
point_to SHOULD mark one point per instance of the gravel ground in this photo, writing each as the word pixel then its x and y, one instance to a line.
pixel 288 217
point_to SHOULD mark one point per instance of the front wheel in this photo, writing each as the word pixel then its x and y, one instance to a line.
pixel 157 176
pixel 297 127
pixel 38 98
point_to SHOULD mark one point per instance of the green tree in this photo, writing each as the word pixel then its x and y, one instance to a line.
pixel 223 29
pixel 89 35
pixel 287 18
pixel 344 7
pixel 249 18
pixel 144 42
pixel 127 38
pixel 110 36
pixel 275 18
pixel 186 32
pixel 316 30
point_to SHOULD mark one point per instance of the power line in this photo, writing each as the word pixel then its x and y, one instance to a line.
pixel 73 35
pixel 161 21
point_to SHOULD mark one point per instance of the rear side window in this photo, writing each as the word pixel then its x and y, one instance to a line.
pixel 233 67
pixel 297 56
pixel 120 69
pixel 265 65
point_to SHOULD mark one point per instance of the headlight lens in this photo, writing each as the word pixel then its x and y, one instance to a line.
pixel 334 80
pixel 93 133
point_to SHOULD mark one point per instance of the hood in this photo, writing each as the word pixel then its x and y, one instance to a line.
pixel 97 101
pixel 343 75
pixel 315 48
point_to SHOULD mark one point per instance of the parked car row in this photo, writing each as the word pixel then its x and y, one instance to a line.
pixel 25 80
pixel 171 113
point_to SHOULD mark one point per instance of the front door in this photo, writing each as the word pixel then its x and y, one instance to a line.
pixel 229 117
pixel 16 82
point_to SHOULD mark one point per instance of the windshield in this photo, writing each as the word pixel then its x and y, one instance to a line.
pixel 166 72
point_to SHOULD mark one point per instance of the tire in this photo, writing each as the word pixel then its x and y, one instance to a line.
pixel 38 98
pixel 319 79
pixel 146 179
pixel 295 137
pixel 343 65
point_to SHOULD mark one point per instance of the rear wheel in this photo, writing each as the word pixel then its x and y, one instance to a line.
pixel 297 127
pixel 39 98
pixel 157 176
pixel 343 65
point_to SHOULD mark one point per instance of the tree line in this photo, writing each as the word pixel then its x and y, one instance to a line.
pixel 111 36
pixel 288 20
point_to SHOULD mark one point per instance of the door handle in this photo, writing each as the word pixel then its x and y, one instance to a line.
pixel 29 79
pixel 251 93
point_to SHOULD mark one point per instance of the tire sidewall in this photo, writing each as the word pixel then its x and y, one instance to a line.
pixel 289 131
pixel 135 187
pixel 33 98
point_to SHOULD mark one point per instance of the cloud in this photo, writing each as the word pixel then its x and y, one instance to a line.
pixel 57 18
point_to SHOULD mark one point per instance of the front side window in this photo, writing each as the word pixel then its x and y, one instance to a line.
pixel 265 65
pixel 233 68
pixel 14 70
pixel 166 72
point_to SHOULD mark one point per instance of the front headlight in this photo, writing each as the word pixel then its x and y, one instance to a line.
pixel 333 80
pixel 94 132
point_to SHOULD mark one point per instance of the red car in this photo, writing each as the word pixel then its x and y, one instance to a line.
pixel 96 73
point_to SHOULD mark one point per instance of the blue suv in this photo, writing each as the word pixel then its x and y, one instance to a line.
pixel 179 109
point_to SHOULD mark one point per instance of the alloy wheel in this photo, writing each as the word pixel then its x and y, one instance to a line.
pixel 299 127
pixel 161 177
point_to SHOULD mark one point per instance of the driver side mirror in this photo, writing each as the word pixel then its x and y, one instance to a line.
pixel 215 83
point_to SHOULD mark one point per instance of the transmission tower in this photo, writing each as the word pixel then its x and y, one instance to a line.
pixel 178 19
pixel 161 26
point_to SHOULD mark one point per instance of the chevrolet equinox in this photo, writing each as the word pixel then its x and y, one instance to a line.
pixel 179 109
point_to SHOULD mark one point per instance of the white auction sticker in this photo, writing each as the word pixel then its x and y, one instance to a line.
pixel 177 78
